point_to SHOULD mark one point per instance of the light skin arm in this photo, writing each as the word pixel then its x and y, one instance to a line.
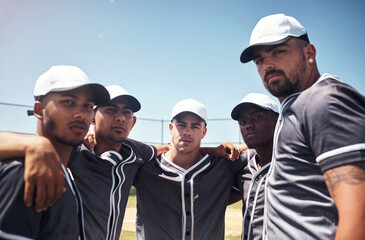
pixel 226 150
pixel 42 174
pixel 162 148
pixel 346 185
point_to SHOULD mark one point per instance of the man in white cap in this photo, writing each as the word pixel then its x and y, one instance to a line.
pixel 104 175
pixel 183 194
pixel 315 186
pixel 256 115
pixel 64 110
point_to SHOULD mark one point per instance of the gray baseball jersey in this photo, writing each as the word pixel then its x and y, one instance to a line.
pixel 63 220
pixel 251 184
pixel 104 183
pixel 318 129
pixel 174 203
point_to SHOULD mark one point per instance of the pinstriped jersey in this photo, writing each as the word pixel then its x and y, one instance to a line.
pixel 63 220
pixel 174 203
pixel 104 182
pixel 318 129
pixel 251 184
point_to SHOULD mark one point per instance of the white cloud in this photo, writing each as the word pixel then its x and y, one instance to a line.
pixel 101 35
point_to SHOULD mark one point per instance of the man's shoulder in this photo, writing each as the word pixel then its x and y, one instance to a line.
pixel 326 96
pixel 143 150
pixel 328 88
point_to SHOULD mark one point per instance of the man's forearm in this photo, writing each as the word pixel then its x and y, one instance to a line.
pixel 13 145
pixel 346 185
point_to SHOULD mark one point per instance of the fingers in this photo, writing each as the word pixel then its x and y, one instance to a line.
pixel 40 201
pixel 28 193
pixel 235 154
pixel 42 174
pixel 58 190
pixel 89 141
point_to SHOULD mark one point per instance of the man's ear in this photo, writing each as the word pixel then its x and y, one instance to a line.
pixel 38 110
pixel 171 126
pixel 134 121
pixel 310 51
pixel 204 132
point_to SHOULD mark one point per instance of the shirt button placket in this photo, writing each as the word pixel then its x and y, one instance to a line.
pixel 187 198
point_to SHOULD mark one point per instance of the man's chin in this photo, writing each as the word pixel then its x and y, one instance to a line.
pixel 116 139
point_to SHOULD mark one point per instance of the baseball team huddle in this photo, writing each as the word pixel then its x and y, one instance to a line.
pixel 300 173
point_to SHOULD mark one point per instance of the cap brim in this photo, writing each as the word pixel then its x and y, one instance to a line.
pixel 136 105
pixel 100 93
pixel 246 55
pixel 187 111
pixel 235 114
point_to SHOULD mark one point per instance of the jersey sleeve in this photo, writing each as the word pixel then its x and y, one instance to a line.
pixel 145 151
pixel 16 220
pixel 241 162
pixel 334 123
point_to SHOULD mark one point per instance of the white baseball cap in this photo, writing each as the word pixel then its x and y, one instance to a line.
pixel 192 106
pixel 64 78
pixel 273 30
pixel 116 91
pixel 258 99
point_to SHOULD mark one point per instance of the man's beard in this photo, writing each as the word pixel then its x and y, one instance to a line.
pixel 50 127
pixel 116 139
pixel 288 85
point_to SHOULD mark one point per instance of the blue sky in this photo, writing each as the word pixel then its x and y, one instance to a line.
pixel 163 51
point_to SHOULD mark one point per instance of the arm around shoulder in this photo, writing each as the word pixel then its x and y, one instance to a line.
pixel 42 174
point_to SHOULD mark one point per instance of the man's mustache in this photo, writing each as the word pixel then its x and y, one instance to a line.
pixel 272 72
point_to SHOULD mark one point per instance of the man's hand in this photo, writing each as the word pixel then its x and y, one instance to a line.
pixel 90 141
pixel 226 150
pixel 163 148
pixel 42 174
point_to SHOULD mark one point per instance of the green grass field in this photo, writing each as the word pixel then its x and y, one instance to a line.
pixel 233 221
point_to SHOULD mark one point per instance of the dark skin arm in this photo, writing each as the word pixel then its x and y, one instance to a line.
pixel 43 175
pixel 346 185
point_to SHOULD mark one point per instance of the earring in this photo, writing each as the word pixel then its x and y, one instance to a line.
pixel 310 60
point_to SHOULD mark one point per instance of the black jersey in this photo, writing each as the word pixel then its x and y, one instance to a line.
pixel 63 220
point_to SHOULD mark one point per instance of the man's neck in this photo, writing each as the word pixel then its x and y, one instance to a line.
pixel 312 78
pixel 264 155
pixel 63 150
pixel 183 160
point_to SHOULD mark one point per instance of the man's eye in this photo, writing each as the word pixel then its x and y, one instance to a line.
pixel 111 110
pixel 258 61
pixel 277 52
pixel 256 117
pixel 242 122
pixel 89 106
pixel 68 102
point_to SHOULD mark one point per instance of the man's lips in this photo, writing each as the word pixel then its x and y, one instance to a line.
pixel 186 140
pixel 272 76
pixel 119 128
pixel 78 127
pixel 248 134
